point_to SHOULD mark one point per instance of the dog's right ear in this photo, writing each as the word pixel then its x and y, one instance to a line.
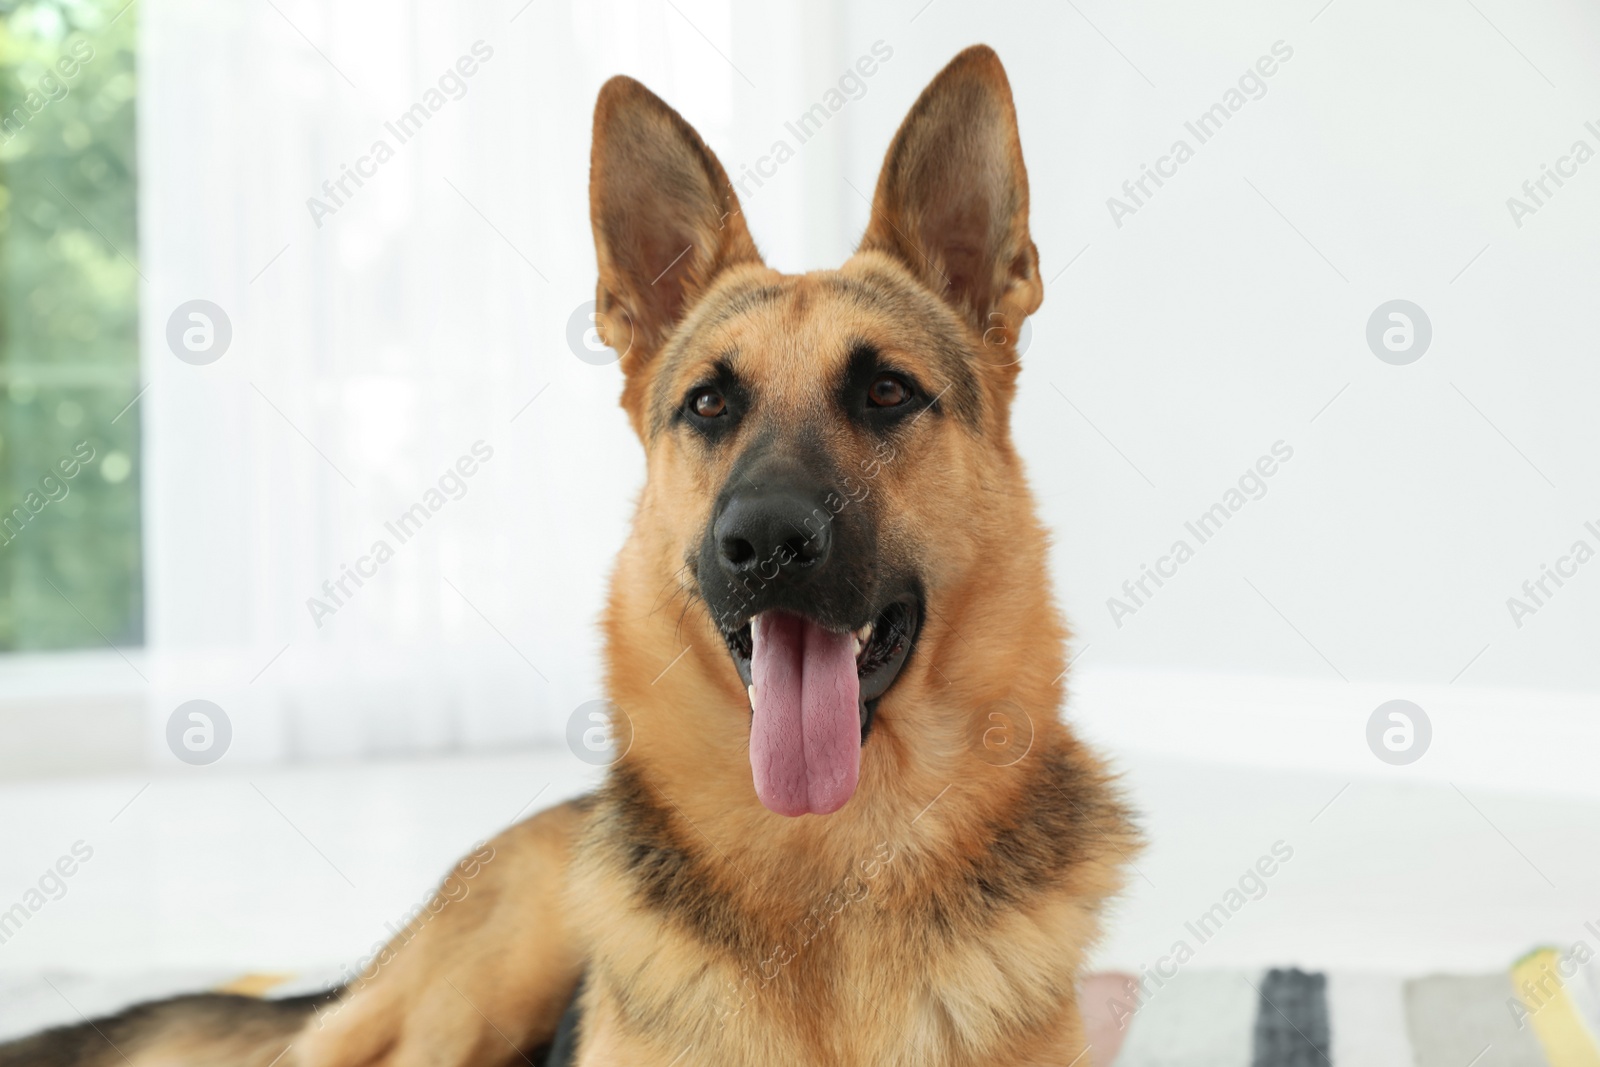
pixel 666 220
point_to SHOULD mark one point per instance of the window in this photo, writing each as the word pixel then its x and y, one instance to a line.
pixel 70 573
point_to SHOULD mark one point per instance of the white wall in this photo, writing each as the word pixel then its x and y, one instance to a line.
pixel 1205 328
pixel 1171 351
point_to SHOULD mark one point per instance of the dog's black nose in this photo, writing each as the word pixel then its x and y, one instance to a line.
pixel 769 533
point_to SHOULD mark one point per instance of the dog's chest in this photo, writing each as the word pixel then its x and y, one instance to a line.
pixel 861 987
pixel 932 955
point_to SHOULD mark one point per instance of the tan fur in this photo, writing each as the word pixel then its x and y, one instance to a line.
pixel 943 916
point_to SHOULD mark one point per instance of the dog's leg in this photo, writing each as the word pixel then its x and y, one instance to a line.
pixel 480 976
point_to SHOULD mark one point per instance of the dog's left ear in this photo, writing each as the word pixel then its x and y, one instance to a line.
pixel 952 200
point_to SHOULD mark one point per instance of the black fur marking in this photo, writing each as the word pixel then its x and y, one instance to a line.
pixel 1069 815
pixel 668 877
pixel 740 301
pixel 105 1042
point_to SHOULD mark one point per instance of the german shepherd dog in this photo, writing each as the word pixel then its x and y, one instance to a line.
pixel 851 828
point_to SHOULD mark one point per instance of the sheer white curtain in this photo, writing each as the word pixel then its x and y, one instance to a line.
pixel 371 352
pixel 397 334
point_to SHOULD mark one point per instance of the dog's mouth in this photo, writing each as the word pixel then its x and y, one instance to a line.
pixel 813 693
pixel 881 647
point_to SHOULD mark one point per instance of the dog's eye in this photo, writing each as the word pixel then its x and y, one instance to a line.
pixel 707 403
pixel 888 391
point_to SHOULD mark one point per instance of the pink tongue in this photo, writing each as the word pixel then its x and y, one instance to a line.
pixel 805 739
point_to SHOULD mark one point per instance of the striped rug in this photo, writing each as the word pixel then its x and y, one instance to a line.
pixel 1543 1011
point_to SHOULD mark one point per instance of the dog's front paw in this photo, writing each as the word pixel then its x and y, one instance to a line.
pixel 480 976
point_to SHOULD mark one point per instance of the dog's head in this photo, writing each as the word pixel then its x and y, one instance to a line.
pixel 830 470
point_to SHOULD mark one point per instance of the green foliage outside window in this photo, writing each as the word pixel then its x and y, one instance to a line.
pixel 70 573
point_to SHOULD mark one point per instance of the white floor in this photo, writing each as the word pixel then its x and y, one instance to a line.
pixel 292 869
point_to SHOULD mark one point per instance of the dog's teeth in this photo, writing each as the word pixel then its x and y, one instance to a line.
pixel 750 691
pixel 864 634
pixel 859 645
